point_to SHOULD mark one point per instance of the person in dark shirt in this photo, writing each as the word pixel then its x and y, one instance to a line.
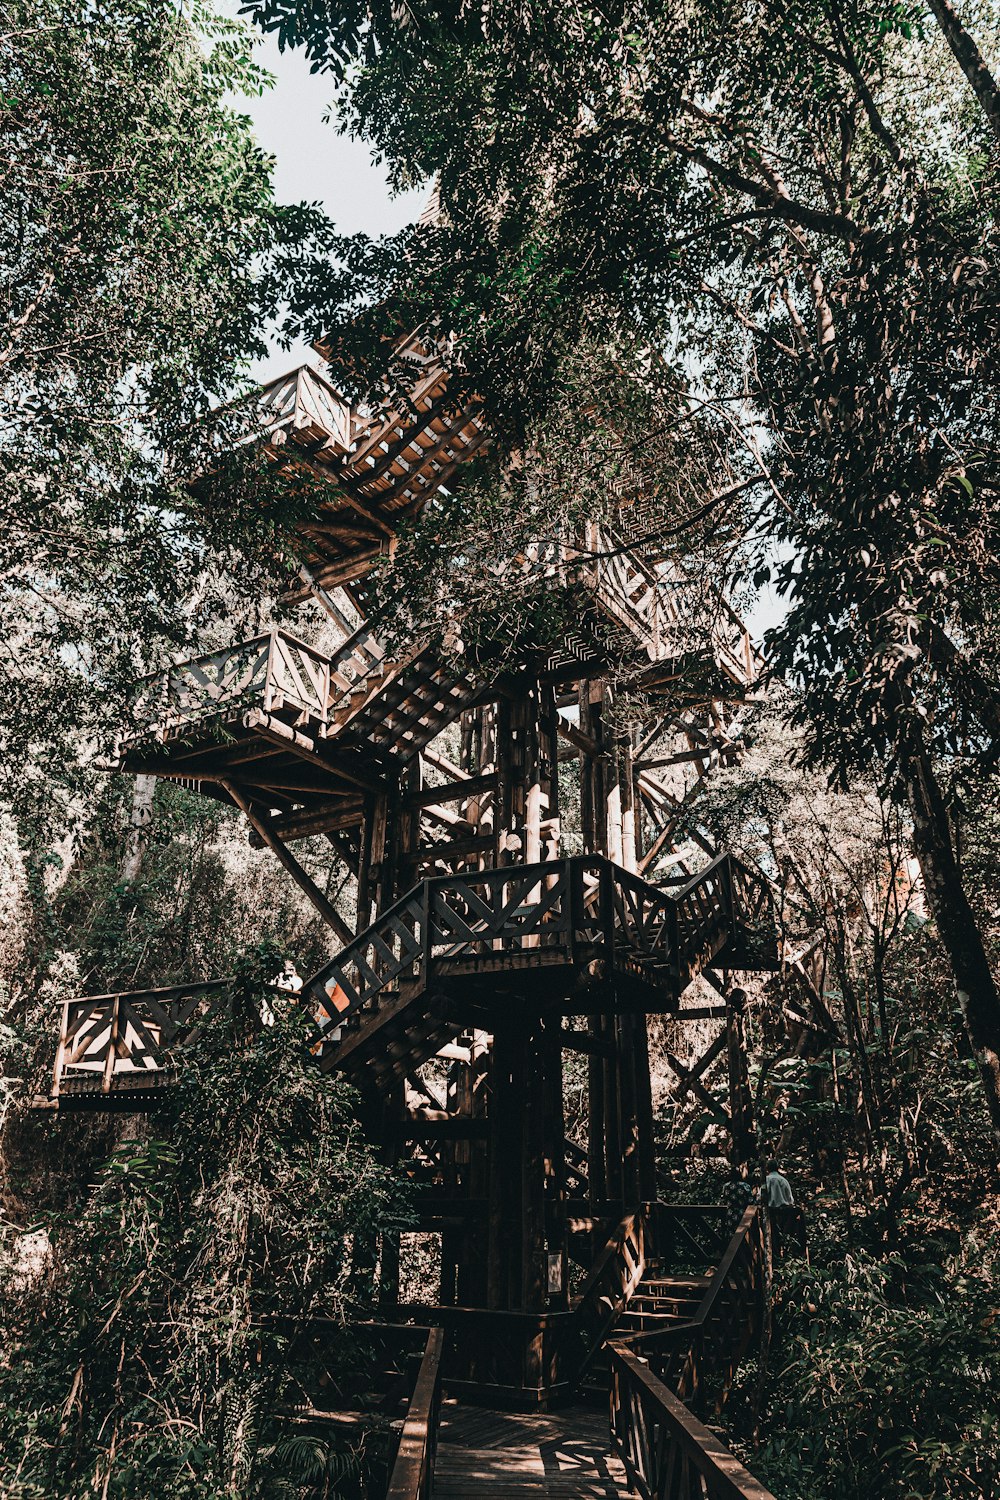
pixel 737 1195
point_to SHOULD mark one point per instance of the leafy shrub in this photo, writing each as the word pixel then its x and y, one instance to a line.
pixel 152 1351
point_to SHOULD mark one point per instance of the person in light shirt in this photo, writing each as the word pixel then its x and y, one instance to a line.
pixel 787 1227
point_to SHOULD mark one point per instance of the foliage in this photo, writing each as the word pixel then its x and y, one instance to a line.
pixel 137 225
pixel 882 1376
pixel 153 1348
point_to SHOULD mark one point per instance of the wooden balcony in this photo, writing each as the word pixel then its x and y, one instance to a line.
pixel 117 1051
pixel 673 620
pixel 273 674
pixel 302 736
pixel 576 935
pixel 253 722
pixel 374 468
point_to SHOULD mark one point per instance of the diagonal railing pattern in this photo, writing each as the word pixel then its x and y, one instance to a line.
pixel 272 672
pixel 570 912
pixel 573 911
pixel 125 1040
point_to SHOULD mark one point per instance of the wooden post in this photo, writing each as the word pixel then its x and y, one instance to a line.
pixel 596 1133
pixel 625 1036
pixel 470 1101
pixel 504 1268
pixel 628 808
pixel 743 1147
pixel 61 1050
pixel 555 1165
pixel 532 1111
pixel 112 1057
pixel 644 1112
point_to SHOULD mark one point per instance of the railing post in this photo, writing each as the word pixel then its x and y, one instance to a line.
pixel 61 1050
pixel 425 920
pixel 727 885
pixel 574 903
pixel 269 673
pixel 607 913
pixel 674 943
pixel 111 1059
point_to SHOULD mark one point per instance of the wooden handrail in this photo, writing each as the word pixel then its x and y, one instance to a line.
pixel 741 1237
pixel 413 1472
pixel 615 1275
pixel 665 1449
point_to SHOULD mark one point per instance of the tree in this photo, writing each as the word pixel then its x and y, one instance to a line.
pixel 136 225
pixel 800 202
pixel 153 1322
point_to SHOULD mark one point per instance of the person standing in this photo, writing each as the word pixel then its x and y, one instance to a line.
pixel 786 1218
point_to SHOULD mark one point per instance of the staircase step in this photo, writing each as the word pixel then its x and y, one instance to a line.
pixel 643 1322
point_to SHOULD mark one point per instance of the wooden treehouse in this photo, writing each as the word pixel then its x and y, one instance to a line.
pixel 523 901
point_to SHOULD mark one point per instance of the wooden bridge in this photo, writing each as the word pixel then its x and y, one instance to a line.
pixel 671 1344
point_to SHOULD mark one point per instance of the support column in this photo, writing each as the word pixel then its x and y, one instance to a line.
pixel 505 1099
pixel 557 1259
pixel 744 1143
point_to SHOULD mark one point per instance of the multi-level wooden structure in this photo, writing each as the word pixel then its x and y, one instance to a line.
pixel 521 893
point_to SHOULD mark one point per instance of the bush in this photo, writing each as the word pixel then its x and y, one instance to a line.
pixel 150 1352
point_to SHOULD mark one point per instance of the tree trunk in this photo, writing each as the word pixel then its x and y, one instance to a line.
pixel 956 922
pixel 970 60
pixel 140 827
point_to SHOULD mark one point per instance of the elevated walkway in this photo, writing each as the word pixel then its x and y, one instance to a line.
pixel 575 936
pixel 663 1384
pixel 560 1455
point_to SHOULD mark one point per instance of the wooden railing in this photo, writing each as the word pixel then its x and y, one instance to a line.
pixel 501 1353
pixel 616 1273
pixel 303 408
pixel 667 1452
pixel 571 911
pixel 274 673
pixel 698 1358
pixel 657 1377
pixel 690 1233
pixel 123 1041
pixel 413 1472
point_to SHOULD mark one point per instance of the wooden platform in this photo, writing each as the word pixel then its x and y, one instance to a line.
pixel 565 1455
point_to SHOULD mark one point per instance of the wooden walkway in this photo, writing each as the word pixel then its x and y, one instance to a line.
pixel 561 1455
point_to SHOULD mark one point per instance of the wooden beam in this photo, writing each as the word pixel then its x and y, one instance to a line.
pixel 453 850
pixel 431 796
pixel 576 737
pixel 681 757
pixel 585 1041
pixel 300 825
pixel 287 860
pixel 272 728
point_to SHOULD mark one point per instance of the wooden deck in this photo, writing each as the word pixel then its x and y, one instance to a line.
pixel 560 1455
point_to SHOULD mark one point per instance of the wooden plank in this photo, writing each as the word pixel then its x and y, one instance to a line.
pixel 433 796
